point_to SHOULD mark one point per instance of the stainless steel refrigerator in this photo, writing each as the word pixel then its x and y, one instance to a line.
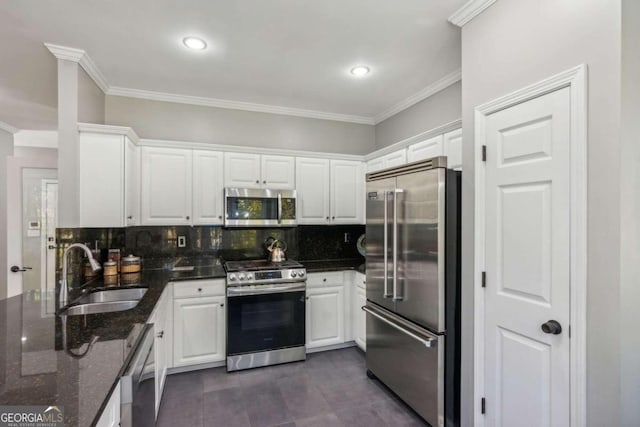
pixel 413 286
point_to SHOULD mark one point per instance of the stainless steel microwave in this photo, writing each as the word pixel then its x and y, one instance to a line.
pixel 254 207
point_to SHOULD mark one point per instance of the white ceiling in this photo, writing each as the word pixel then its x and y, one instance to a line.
pixel 290 53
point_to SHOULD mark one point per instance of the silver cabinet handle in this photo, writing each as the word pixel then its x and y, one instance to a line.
pixel 396 295
pixel 279 208
pixel 427 342
pixel 385 246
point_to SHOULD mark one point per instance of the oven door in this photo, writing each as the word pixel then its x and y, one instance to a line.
pixel 259 207
pixel 266 321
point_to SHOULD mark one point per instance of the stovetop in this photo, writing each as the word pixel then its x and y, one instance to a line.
pixel 260 265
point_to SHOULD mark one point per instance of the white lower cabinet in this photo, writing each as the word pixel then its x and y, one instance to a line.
pixel 358 315
pixel 325 316
pixel 198 330
pixel 162 344
pixel 111 413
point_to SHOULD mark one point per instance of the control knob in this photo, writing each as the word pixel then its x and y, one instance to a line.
pixel 241 276
pixel 294 274
pixel 249 276
pixel 301 273
pixel 232 277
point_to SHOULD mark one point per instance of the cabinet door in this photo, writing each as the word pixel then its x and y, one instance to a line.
pixel 427 149
pixel 278 172
pixel 163 345
pixel 325 316
pixel 132 183
pixel 375 165
pixel 208 187
pixel 101 180
pixel 166 186
pixel 347 192
pixel 242 170
pixel 198 330
pixel 453 149
pixel 111 413
pixel 359 318
pixel 312 186
pixel 397 158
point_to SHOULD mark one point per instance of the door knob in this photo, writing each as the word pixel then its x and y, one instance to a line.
pixel 551 327
pixel 16 269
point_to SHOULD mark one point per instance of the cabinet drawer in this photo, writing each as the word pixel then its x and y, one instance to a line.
pixel 196 288
pixel 325 279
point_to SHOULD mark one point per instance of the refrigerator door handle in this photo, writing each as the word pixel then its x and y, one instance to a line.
pixel 427 342
pixel 396 294
pixel 385 249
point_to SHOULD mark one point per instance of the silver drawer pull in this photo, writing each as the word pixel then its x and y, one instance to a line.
pixel 427 342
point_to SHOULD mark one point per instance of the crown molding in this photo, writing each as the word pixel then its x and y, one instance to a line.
pixel 425 93
pixel 236 105
pixel 109 130
pixel 81 57
pixel 8 128
pixel 470 10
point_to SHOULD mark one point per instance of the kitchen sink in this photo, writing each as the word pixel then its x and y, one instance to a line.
pixel 111 295
pixel 99 307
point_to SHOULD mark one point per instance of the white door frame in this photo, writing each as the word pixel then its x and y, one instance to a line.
pixel 15 165
pixel 576 80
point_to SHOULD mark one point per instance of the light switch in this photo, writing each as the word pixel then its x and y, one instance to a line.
pixel 182 241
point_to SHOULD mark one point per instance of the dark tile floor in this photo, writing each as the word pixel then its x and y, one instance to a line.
pixel 328 389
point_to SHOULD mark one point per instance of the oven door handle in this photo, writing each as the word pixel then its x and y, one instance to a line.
pixel 237 291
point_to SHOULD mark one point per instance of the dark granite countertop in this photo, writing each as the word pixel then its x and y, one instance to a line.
pixel 317 266
pixel 35 369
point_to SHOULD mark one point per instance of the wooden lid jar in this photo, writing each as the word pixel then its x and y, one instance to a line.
pixel 130 264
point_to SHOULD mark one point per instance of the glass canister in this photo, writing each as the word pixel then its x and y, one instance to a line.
pixel 130 264
pixel 110 268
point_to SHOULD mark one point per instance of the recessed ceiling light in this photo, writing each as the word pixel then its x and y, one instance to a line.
pixel 194 43
pixel 360 71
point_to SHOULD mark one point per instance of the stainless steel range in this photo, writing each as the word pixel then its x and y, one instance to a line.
pixel 265 313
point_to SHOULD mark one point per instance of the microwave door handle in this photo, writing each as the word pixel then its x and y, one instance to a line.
pixel 396 294
pixel 385 246
pixel 279 208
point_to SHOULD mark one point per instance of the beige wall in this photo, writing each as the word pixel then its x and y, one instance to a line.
pixel 6 150
pixel 630 216
pixel 182 122
pixel 441 108
pixel 515 43
pixel 90 99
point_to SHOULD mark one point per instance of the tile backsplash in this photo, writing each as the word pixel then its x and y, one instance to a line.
pixel 305 242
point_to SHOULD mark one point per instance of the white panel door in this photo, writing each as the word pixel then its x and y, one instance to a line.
pixel 132 183
pixel 208 187
pixel 375 165
pixel 325 316
pixel 102 173
pixel 397 158
pixel 242 170
pixel 198 330
pixel 426 149
pixel 527 225
pixel 166 186
pixel 347 192
pixel 360 318
pixel 278 172
pixel 312 186
pixel 453 149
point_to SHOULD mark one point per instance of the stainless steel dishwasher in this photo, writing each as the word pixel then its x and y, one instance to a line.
pixel 138 396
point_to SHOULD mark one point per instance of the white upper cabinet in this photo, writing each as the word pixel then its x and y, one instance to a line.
pixel 132 183
pixel 347 192
pixel 312 186
pixel 278 172
pixel 108 180
pixel 397 158
pixel 166 186
pixel 208 187
pixel 426 149
pixel 255 171
pixel 453 149
pixel 242 170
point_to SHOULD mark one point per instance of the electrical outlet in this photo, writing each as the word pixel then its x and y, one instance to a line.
pixel 182 241
pixel 347 237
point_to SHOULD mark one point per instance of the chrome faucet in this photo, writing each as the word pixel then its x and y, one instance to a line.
pixel 64 286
